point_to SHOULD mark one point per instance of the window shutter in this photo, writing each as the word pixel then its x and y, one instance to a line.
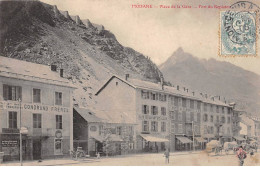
pixel 143 109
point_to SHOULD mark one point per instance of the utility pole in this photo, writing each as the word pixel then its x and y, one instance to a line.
pixel 21 141
pixel 193 136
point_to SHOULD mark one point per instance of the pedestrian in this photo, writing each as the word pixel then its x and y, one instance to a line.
pixel 98 155
pixel 167 156
pixel 241 154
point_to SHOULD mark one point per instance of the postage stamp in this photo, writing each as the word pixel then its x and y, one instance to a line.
pixel 238 33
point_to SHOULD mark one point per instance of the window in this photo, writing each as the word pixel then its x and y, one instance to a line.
pixel 58 121
pixel 223 111
pixel 12 92
pixel 145 126
pixel 58 98
pixel 195 116
pixel 205 130
pixel 58 146
pixel 198 105
pixel 211 118
pixel 217 119
pixel 205 117
pixel 229 110
pixel 179 117
pixel 172 115
pixel 183 102
pixel 154 126
pixel 188 116
pixel 37 121
pixel 13 120
pixel 119 130
pixel 145 95
pixel 217 109
pixel 163 126
pixel 197 129
pixel 223 120
pixel 205 107
pixel 211 108
pixel 154 96
pixel 228 120
pixel 211 130
pixel 175 101
pixel 145 109
pixel 191 104
pixel 180 129
pixel 163 111
pixel 154 110
pixel 37 95
pixel 162 97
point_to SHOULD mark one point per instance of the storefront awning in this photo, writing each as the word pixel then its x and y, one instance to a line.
pixel 98 138
pixel 200 139
pixel 239 138
pixel 208 136
pixel 184 140
pixel 151 138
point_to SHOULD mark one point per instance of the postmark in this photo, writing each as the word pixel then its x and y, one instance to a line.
pixel 239 30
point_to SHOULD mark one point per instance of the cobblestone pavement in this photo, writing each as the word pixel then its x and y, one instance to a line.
pixel 176 159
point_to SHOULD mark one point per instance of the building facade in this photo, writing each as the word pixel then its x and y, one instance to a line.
pixel 36 98
pixel 103 134
pixel 167 117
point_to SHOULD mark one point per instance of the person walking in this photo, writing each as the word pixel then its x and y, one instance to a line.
pixel 241 154
pixel 167 156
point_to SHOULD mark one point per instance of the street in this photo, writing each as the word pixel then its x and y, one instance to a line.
pixel 176 159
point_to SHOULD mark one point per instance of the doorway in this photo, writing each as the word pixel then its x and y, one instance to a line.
pixel 37 149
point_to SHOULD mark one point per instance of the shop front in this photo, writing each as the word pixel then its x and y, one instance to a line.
pixel 151 143
pixel 183 143
pixel 200 143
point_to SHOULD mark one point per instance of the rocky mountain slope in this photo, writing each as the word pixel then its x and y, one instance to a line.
pixel 88 53
pixel 215 78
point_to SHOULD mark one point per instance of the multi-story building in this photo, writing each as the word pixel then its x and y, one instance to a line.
pixel 39 100
pixel 216 121
pixel 166 116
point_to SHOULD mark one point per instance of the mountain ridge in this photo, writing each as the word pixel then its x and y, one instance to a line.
pixel 37 32
pixel 214 77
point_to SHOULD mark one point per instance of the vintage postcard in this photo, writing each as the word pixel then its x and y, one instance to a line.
pixel 129 83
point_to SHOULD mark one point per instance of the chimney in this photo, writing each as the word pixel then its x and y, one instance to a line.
pixel 61 72
pixel 193 93
pixel 126 76
pixel 187 90
pixel 54 68
pixel 66 14
pixel 77 20
pixel 184 88
pixel 178 88
pixel 161 82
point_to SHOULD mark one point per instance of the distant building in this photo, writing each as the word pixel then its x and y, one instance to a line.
pixel 106 134
pixel 46 110
pixel 166 116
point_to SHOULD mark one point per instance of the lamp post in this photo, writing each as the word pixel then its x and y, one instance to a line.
pixel 20 132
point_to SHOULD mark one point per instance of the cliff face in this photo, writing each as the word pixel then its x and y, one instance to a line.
pixel 89 54
pixel 215 78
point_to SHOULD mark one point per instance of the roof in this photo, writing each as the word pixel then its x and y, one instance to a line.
pixel 98 116
pixel 136 83
pixel 14 68
pixel 88 115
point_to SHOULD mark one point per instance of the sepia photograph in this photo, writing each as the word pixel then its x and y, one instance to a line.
pixel 129 83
